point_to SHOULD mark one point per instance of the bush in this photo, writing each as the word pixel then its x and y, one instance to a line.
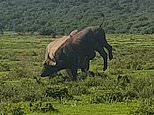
pixel 79 90
pixel 22 70
pixel 47 31
pixel 143 86
pixel 108 96
pixel 42 107
pixel 145 108
pixel 23 108
pixel 13 109
pixel 58 92
pixel 91 82
pixel 4 67
pixel 25 90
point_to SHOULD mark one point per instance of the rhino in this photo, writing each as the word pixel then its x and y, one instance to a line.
pixel 74 51
pixel 55 46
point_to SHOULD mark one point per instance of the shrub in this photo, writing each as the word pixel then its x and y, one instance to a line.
pixel 13 109
pixel 4 67
pixel 79 90
pixel 23 108
pixel 143 86
pixel 25 90
pixel 22 70
pixel 108 96
pixel 123 81
pixel 42 107
pixel 145 108
pixel 93 82
pixel 57 79
pixel 57 92
pixel 47 31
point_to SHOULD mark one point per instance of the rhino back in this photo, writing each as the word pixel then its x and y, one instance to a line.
pixel 54 47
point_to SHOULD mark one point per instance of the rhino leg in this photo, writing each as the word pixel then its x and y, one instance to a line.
pixel 85 63
pixel 104 55
pixel 85 68
pixel 74 73
pixel 74 67
pixel 109 48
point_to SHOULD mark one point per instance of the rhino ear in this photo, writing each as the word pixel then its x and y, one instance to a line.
pixel 48 56
pixel 52 62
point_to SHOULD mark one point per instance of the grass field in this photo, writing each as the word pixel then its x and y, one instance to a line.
pixel 92 109
pixel 22 92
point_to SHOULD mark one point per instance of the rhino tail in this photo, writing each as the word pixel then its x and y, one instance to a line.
pixel 103 16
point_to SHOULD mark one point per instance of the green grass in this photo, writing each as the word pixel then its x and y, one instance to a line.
pixel 21 58
pixel 92 109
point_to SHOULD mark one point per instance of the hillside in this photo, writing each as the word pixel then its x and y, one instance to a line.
pixel 62 16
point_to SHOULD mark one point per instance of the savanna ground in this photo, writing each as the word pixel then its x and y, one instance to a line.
pixel 126 88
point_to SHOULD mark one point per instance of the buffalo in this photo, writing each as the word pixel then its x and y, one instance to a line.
pixel 75 51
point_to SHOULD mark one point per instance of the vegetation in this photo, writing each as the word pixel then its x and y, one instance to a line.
pixel 62 16
pixel 146 108
pixel 127 87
